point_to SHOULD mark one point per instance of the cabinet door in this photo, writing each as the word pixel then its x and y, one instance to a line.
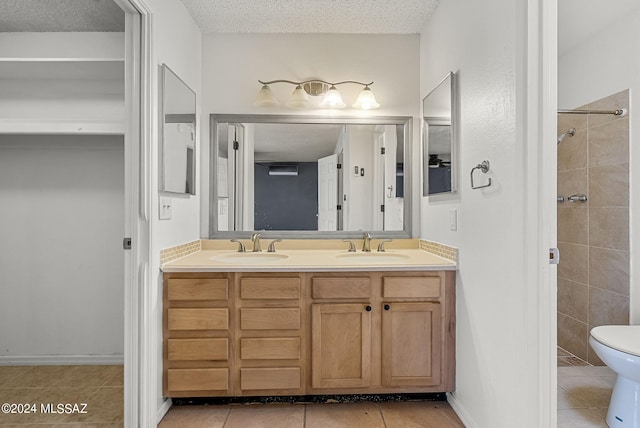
pixel 411 344
pixel 340 345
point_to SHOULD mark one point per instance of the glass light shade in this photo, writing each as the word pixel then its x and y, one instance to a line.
pixel 299 98
pixel 366 100
pixel 332 99
pixel 265 98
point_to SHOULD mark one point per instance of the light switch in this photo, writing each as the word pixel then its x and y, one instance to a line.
pixel 453 220
pixel 165 208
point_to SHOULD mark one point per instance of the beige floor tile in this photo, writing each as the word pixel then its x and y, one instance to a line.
pixel 266 416
pixel 11 375
pixel 581 418
pixel 106 406
pixel 430 414
pixel 42 397
pixel 344 415
pixel 568 401
pixel 195 417
pixel 117 379
pixel 593 391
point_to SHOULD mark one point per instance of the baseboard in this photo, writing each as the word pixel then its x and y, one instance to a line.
pixel 462 414
pixel 61 360
pixel 164 408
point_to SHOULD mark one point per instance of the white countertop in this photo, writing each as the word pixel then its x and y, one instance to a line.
pixel 309 260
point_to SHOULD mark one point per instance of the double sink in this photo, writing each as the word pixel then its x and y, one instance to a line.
pixel 267 258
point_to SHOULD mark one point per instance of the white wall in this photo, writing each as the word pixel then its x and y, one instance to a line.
pixel 61 249
pixel 177 43
pixel 604 64
pixel 233 63
pixel 483 43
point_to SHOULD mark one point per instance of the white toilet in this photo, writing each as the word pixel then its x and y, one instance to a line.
pixel 618 346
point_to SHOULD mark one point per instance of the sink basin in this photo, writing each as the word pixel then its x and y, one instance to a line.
pixel 373 258
pixel 249 258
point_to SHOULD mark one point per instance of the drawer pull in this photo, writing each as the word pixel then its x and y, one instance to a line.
pixel 387 307
pixel 368 308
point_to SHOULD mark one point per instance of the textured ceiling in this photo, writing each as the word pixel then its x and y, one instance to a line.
pixel 311 16
pixel 60 15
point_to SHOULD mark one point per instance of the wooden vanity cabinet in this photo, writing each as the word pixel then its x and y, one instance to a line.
pixel 383 333
pixel 269 335
pixel 197 342
pixel 289 333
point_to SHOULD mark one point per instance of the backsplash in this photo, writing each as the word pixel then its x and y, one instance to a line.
pixel 441 250
pixel 170 254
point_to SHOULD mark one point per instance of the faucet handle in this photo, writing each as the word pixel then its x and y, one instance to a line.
pixel 241 247
pixel 272 246
pixel 352 246
pixel 381 245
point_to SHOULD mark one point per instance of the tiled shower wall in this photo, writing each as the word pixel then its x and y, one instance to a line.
pixel 593 237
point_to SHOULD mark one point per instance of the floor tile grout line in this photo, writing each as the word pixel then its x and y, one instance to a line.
pixel 226 418
pixel 384 422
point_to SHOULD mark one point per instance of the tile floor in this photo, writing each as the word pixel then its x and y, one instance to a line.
pixel 100 387
pixel 583 397
pixel 427 414
pixel 584 392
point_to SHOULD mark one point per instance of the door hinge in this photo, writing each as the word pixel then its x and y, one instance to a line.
pixel 339 207
pixel 383 150
pixel 339 166
pixel 126 243
pixel 554 256
pixel 236 145
pixel 381 208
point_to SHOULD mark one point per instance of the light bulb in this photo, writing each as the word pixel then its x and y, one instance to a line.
pixel 366 100
pixel 332 99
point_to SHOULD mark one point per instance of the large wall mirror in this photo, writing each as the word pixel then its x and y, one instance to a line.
pixel 438 134
pixel 308 176
pixel 177 167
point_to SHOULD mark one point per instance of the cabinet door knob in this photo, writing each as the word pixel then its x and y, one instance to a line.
pixel 387 307
pixel 368 308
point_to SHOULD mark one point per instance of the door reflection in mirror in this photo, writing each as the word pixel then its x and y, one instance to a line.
pixel 324 177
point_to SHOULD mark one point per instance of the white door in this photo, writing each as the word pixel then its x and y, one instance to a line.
pixel 328 193
pixel 393 205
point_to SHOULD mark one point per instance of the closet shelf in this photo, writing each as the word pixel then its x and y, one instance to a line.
pixel 60 127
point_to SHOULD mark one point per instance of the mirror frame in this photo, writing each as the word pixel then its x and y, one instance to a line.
pixel 164 70
pixel 405 121
pixel 453 139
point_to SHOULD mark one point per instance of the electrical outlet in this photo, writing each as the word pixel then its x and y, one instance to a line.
pixel 165 208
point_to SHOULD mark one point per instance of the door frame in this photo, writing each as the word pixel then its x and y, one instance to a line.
pixel 137 142
pixel 537 128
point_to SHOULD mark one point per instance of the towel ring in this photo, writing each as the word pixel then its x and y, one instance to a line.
pixel 484 167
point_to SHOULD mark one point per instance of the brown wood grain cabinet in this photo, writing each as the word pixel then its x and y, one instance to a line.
pixel 308 333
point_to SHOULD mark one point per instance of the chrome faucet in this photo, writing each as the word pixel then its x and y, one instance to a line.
pixel 366 245
pixel 255 238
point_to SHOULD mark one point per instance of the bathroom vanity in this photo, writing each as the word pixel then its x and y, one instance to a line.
pixel 308 323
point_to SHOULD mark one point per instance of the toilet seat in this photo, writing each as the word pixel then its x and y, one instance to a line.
pixel 624 338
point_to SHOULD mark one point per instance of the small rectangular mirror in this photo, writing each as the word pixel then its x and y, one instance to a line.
pixel 177 167
pixel 438 134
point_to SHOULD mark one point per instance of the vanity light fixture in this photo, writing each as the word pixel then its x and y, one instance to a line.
pixel 332 98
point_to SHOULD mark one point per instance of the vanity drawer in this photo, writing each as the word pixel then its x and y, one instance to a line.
pixel 270 318
pixel 270 348
pixel 270 378
pixel 356 287
pixel 270 288
pixel 411 287
pixel 197 289
pixel 215 379
pixel 198 349
pixel 198 318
